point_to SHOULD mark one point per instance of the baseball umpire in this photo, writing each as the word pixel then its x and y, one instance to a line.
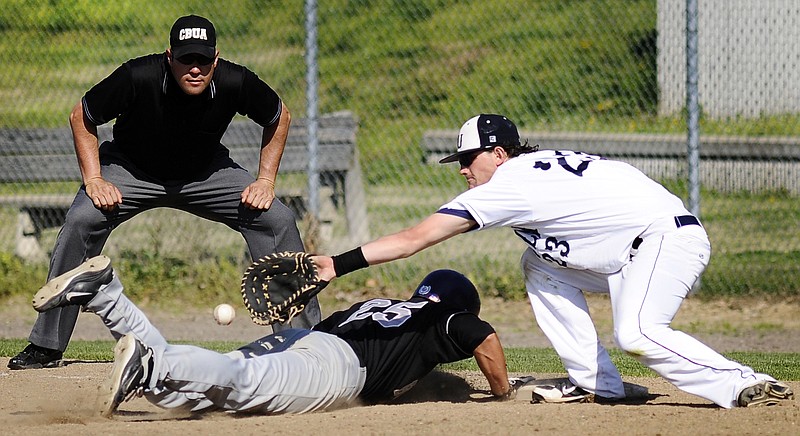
pixel 591 225
pixel 171 111
pixel 372 352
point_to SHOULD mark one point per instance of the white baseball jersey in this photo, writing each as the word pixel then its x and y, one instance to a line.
pixel 573 209
pixel 580 215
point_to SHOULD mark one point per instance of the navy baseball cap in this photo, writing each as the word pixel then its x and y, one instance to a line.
pixel 451 288
pixel 483 132
pixel 193 35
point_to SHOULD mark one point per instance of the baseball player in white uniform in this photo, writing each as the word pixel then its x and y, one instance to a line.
pixel 591 225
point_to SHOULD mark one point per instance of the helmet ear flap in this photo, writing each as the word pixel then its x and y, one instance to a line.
pixel 451 288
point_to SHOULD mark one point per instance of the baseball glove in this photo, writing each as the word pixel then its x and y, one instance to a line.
pixel 277 287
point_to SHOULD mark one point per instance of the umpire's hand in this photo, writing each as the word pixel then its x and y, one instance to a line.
pixel 103 193
pixel 259 195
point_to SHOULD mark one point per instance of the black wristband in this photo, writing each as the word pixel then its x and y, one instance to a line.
pixel 349 261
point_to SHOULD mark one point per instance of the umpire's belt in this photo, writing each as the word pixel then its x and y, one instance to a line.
pixel 680 221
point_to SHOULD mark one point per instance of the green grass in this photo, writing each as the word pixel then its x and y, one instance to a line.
pixel 19 278
pixel 782 366
pixel 588 66
pixel 753 252
pixel 402 67
pixel 103 350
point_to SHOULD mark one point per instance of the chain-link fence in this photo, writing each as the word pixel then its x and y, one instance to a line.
pixel 605 77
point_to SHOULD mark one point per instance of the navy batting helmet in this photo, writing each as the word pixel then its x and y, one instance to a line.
pixel 450 287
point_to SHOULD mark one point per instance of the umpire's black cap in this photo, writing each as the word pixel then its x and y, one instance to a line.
pixel 193 35
pixel 483 132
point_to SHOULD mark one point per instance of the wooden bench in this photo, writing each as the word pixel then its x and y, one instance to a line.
pixel 47 155
pixel 727 163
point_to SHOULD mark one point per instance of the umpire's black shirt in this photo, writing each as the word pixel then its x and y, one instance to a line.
pixel 399 342
pixel 166 133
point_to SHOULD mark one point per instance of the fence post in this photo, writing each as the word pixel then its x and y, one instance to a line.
pixel 693 114
pixel 692 107
pixel 311 106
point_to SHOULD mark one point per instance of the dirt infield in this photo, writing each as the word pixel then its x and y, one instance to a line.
pixel 59 401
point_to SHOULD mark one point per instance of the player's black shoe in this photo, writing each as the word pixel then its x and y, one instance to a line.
pixel 765 393
pixel 35 357
pixel 75 287
pixel 130 375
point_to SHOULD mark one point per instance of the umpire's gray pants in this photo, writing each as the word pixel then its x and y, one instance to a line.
pixel 215 195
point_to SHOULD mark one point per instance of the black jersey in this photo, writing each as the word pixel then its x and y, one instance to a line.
pixel 166 133
pixel 399 342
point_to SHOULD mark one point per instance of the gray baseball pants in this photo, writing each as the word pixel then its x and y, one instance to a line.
pixel 293 371
pixel 215 195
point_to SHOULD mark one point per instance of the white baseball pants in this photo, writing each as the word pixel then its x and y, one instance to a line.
pixel 645 296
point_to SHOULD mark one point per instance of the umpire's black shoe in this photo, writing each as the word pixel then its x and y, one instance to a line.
pixel 35 357
pixel 75 287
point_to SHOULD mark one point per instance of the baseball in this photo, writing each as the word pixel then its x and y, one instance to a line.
pixel 224 314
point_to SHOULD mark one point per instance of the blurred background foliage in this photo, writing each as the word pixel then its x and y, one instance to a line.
pixel 403 67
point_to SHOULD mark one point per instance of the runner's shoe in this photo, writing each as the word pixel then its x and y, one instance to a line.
pixel 130 375
pixel 75 287
pixel 765 393
pixel 561 392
